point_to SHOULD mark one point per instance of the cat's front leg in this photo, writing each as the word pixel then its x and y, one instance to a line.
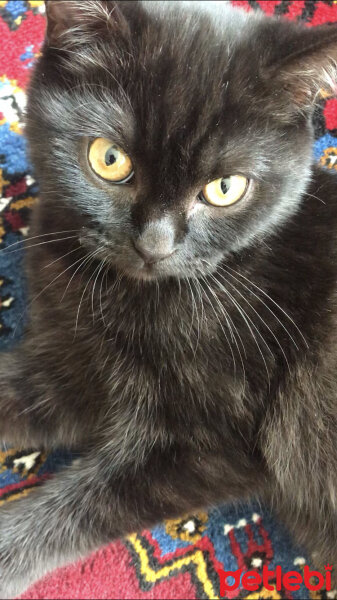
pixel 88 505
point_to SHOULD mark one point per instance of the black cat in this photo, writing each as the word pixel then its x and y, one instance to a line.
pixel 182 268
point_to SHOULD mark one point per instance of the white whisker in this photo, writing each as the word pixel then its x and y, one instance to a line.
pixel 273 301
pixel 92 256
pixel 259 317
pixel 248 321
pixel 44 289
pixel 221 327
pixel 99 269
pixel 262 302
pixel 232 329
pixel 60 258
pixel 194 311
pixel 86 258
pixel 316 197
pixel 34 237
pixel 69 237
pixel 100 290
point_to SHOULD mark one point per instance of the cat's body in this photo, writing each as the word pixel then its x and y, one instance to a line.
pixel 207 375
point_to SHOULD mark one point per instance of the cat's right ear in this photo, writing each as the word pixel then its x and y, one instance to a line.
pixel 302 61
pixel 73 23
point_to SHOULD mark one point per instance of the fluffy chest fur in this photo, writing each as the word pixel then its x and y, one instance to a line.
pixel 194 362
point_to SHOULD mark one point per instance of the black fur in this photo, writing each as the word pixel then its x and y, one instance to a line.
pixel 209 375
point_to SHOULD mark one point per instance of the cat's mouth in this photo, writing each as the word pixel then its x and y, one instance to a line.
pixel 170 267
pixel 148 272
pixel 140 268
pixel 128 262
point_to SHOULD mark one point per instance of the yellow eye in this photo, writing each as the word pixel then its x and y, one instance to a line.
pixel 225 191
pixel 109 161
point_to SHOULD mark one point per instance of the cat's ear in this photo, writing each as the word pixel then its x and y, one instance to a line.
pixel 304 62
pixel 76 22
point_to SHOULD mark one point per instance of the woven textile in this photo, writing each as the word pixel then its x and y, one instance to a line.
pixel 177 559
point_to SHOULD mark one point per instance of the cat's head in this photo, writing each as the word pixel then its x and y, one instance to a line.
pixel 174 133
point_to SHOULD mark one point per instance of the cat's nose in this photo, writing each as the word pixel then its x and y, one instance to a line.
pixel 154 254
pixel 155 243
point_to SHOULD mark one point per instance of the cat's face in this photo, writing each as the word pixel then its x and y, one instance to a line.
pixel 165 140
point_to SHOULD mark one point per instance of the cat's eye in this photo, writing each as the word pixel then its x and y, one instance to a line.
pixel 225 190
pixel 109 161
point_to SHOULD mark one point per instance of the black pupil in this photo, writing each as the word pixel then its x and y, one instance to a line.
pixel 110 157
pixel 225 185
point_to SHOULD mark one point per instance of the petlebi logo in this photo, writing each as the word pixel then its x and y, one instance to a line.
pixel 288 580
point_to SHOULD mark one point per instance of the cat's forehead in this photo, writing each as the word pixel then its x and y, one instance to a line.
pixel 182 90
pixel 217 10
pixel 226 20
pixel 186 47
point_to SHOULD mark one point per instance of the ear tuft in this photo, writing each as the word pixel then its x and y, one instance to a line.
pixel 76 22
pixel 305 64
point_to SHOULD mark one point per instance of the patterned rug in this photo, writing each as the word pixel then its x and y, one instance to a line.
pixel 177 559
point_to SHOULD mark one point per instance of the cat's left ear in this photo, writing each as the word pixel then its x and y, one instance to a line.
pixel 72 23
pixel 304 62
